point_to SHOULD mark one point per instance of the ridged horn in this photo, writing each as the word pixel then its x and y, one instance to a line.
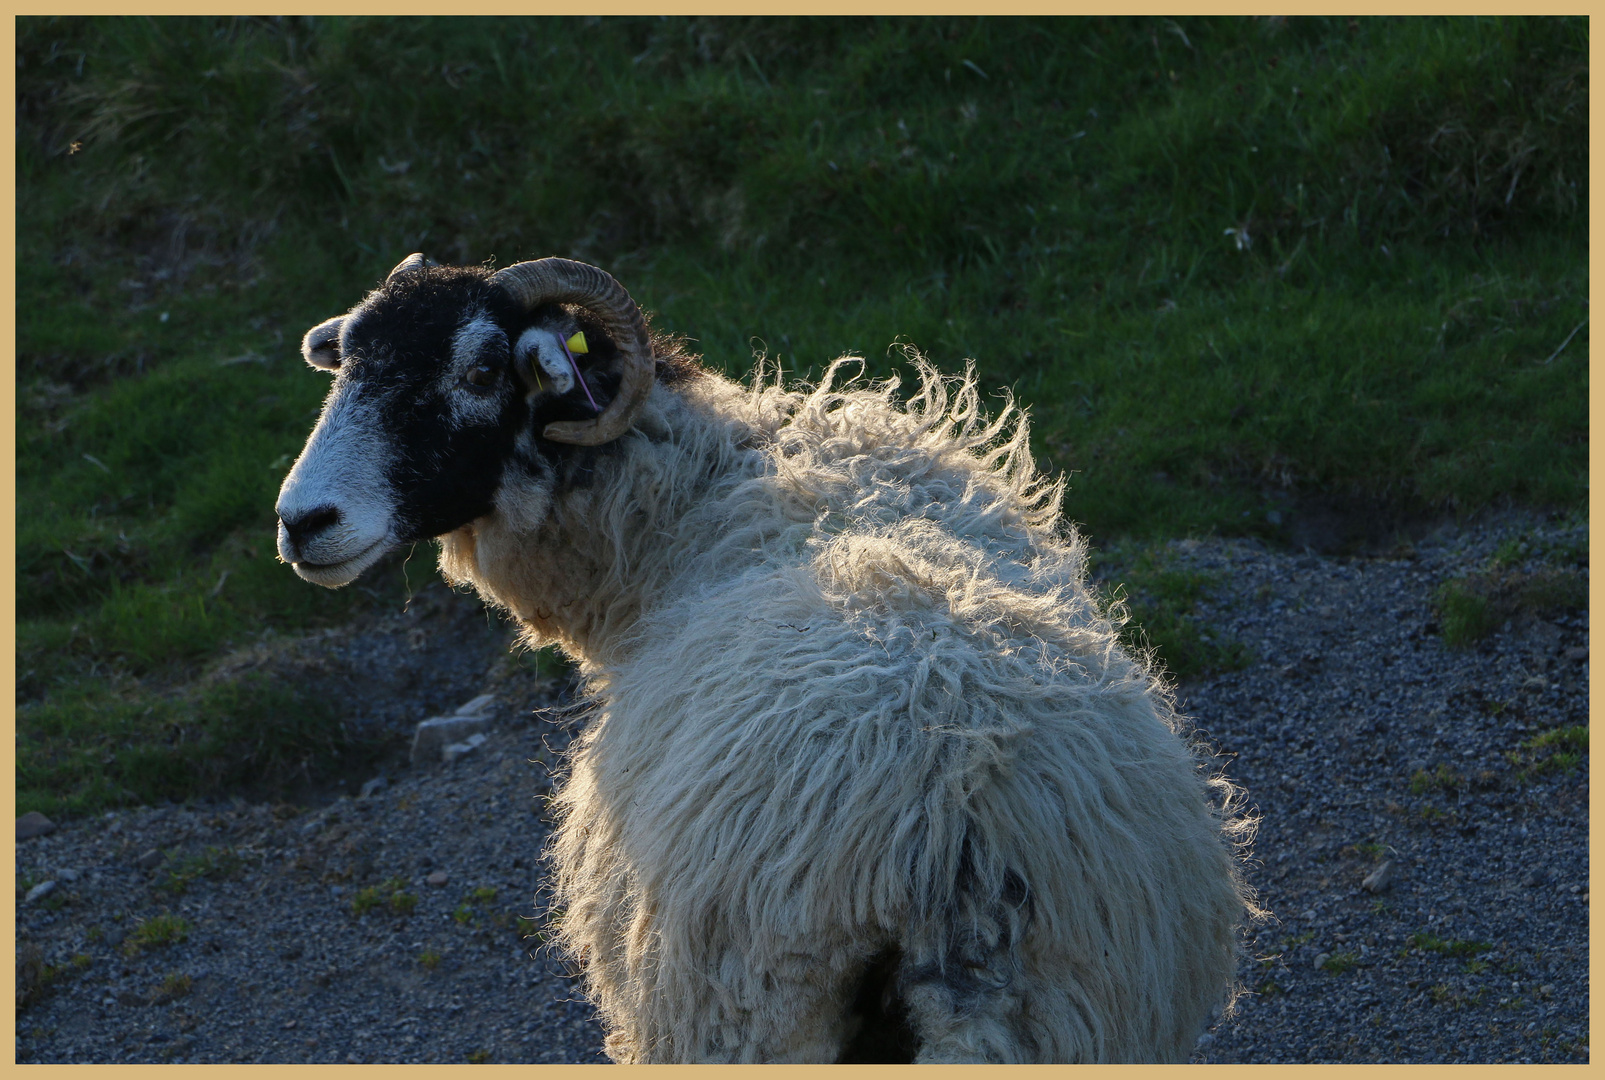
pixel 411 262
pixel 564 281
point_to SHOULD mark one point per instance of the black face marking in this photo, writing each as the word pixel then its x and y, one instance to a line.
pixel 449 403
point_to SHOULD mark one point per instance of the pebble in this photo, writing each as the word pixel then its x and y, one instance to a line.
pixel 33 824
pixel 453 751
pixel 39 891
pixel 1379 879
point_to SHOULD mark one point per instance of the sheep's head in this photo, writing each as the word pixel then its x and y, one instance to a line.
pixel 450 383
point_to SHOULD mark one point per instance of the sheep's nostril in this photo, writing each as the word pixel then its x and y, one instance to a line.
pixel 303 527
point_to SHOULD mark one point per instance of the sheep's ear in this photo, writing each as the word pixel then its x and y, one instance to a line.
pixel 321 346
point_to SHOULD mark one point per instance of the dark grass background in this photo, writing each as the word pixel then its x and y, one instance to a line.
pixel 1305 279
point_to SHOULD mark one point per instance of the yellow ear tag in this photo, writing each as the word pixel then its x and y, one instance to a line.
pixel 576 344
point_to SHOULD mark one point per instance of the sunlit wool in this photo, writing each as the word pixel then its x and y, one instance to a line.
pixel 855 701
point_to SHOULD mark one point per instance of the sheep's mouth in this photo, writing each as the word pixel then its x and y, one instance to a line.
pixel 335 574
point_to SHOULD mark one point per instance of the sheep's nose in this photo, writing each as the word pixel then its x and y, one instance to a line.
pixel 299 528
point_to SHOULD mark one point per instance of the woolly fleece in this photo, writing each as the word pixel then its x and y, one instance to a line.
pixel 854 699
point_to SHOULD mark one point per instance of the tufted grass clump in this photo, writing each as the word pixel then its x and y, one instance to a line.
pixel 158 931
pixel 1442 780
pixel 177 874
pixel 1428 942
pixel 391 894
pixel 1472 607
pixel 1557 750
pixel 173 986
pixel 1465 615
pixel 1340 962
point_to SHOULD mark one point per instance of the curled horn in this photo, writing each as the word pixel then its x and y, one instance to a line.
pixel 563 281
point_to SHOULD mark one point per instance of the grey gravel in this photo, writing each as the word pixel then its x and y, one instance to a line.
pixel 1350 693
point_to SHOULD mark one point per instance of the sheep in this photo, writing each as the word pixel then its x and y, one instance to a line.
pixel 869 775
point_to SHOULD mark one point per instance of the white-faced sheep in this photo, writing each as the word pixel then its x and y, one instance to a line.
pixel 869 775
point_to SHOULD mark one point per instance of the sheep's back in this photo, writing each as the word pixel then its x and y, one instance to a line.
pixel 814 754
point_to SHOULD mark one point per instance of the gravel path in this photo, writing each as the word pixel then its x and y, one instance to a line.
pixel 392 926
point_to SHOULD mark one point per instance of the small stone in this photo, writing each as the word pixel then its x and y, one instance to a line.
pixel 1577 653
pixel 437 879
pixel 33 824
pixel 1205 1041
pixel 453 751
pixel 378 783
pixel 1379 879
pixel 39 891
pixel 438 732
pixel 481 704
pixel 150 860
pixel 66 875
pixel 1320 959
pixel 313 827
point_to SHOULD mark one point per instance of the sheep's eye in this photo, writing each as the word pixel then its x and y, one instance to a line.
pixel 482 376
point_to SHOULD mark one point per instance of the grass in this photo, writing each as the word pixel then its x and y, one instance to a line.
pixel 391 894
pixel 1340 962
pixel 1446 946
pixel 1406 200
pixel 1470 608
pixel 1442 779
pixel 1559 750
pixel 156 932
pixel 1161 610
pixel 178 874
pixel 1527 575
pixel 173 986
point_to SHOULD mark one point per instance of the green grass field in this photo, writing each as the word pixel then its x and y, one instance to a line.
pixel 1233 266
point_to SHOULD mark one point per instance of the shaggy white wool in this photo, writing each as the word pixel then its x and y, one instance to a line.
pixel 854 695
